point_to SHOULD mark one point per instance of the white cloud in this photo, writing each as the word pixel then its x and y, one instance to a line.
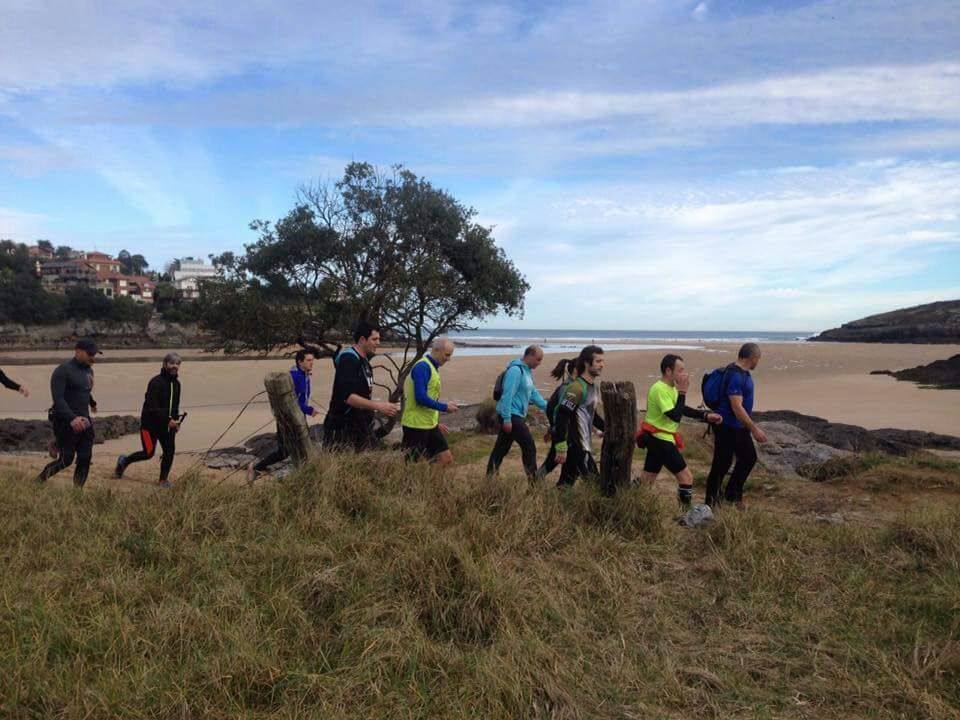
pixel 700 12
pixel 843 95
pixel 754 248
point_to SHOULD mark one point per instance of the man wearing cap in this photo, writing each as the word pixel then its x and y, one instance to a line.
pixel 159 420
pixel 71 386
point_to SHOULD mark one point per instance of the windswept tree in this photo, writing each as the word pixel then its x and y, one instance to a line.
pixel 382 246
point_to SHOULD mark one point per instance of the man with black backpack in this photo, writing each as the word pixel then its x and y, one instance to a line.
pixel 514 391
pixel 729 391
pixel 577 417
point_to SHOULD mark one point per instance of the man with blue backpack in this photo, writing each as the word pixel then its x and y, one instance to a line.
pixel 514 391
pixel 729 391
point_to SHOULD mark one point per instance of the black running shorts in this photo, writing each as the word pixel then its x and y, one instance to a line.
pixel 662 453
pixel 424 443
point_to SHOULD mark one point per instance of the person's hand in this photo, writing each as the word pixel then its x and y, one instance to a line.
pixel 561 458
pixel 79 424
pixel 507 427
pixel 683 382
pixel 443 428
pixel 173 425
pixel 93 408
pixel 714 418
pixel 23 391
pixel 758 434
pixel 388 408
pixel 452 407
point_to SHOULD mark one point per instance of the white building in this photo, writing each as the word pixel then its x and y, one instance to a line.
pixel 187 278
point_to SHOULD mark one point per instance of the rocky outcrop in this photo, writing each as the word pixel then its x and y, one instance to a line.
pixel 854 438
pixel 789 448
pixel 940 373
pixel 156 333
pixel 934 323
pixel 35 435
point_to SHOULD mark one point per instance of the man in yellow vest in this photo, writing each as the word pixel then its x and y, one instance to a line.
pixel 423 435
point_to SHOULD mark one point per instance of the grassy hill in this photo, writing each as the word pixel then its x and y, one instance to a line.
pixel 367 588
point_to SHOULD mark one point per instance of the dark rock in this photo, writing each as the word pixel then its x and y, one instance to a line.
pixel 940 373
pixel 854 438
pixel 35 435
pixel 933 323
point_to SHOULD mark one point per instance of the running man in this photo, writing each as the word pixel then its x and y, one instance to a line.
pixel 159 420
pixel 300 374
pixel 349 421
pixel 518 393
pixel 11 385
pixel 71 386
pixel 423 434
pixel 734 437
pixel 576 418
pixel 666 405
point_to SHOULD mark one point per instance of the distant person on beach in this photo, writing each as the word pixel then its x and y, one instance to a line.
pixel 349 421
pixel 564 373
pixel 159 420
pixel 518 392
pixel 576 418
pixel 300 374
pixel 11 385
pixel 423 434
pixel 734 437
pixel 666 405
pixel 71 387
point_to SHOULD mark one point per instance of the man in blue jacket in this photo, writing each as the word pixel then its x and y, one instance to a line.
pixel 300 374
pixel 518 392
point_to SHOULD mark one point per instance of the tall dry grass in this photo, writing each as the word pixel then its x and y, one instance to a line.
pixel 364 587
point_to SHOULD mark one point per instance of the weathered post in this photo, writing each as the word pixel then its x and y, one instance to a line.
pixel 620 427
pixel 291 423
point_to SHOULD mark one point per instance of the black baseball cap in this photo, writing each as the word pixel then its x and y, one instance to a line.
pixel 88 346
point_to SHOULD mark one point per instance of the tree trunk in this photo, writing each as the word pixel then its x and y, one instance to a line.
pixel 620 428
pixel 291 423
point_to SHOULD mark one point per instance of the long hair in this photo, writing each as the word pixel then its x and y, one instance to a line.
pixel 585 358
pixel 563 368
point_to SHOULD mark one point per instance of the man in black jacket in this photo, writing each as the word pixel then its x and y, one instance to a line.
pixel 159 420
pixel 71 386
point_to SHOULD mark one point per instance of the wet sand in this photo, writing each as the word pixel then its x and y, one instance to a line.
pixel 825 379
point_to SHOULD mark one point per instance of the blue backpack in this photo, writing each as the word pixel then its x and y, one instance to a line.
pixel 713 388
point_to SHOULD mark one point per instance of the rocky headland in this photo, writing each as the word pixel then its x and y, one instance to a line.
pixel 933 323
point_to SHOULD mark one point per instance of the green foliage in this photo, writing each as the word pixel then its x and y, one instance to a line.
pixel 132 264
pixel 386 247
pixel 23 300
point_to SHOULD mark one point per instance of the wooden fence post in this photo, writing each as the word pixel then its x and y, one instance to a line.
pixel 620 428
pixel 291 422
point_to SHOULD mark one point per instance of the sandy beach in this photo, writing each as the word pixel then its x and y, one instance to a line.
pixel 825 379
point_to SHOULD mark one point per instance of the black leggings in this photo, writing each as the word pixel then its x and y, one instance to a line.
pixel 728 443
pixel 580 463
pixel 149 441
pixel 73 446
pixel 521 433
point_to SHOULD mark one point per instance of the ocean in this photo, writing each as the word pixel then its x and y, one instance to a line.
pixel 491 341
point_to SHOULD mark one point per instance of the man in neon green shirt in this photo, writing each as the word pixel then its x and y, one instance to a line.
pixel 666 405
pixel 423 435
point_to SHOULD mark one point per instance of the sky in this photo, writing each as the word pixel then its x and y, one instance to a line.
pixel 655 164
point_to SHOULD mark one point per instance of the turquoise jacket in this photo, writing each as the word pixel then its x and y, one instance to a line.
pixel 518 392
